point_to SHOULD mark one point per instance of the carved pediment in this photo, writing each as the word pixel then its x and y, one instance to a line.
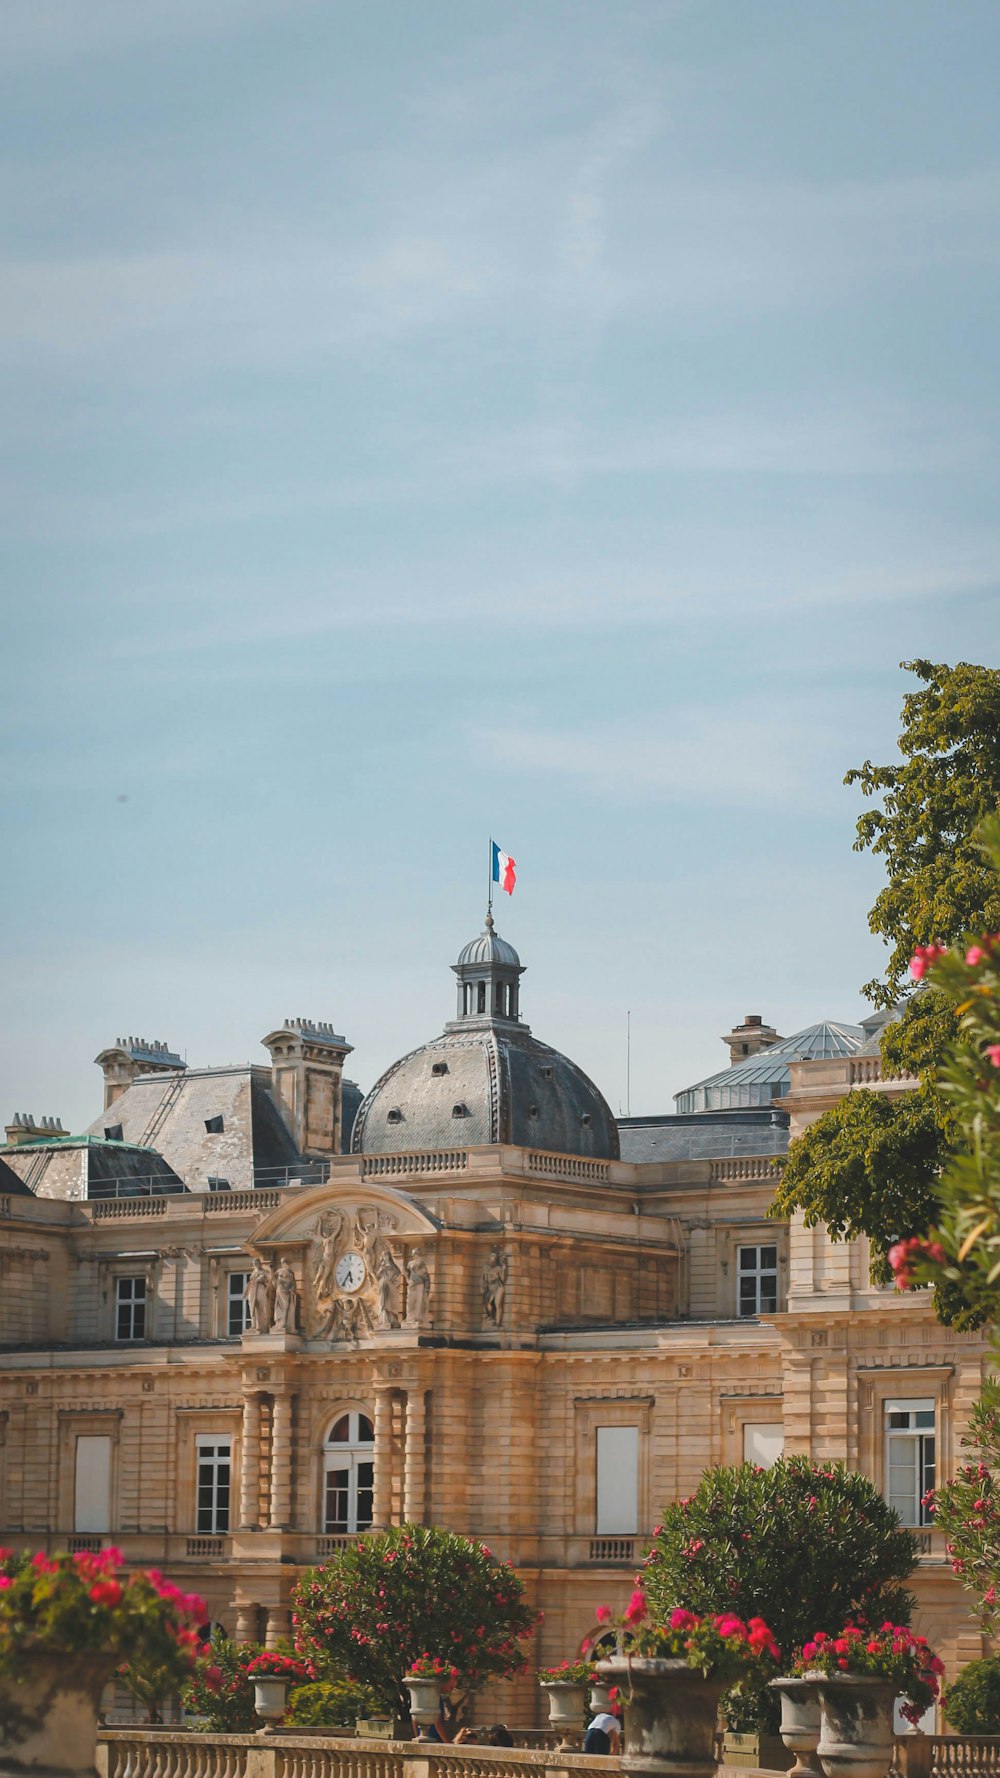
pixel 361 1256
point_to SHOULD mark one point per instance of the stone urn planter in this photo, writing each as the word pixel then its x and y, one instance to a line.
pixel 670 1716
pixel 48 1713
pixel 800 1722
pixel 425 1703
pixel 566 1702
pixel 855 1738
pixel 270 1700
pixel 600 1696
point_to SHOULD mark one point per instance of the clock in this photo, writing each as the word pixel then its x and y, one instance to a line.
pixel 350 1271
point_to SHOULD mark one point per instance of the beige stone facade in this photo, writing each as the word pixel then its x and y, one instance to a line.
pixel 616 1330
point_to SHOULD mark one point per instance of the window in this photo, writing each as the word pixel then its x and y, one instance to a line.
pixel 757 1284
pixel 238 1316
pixel 617 1480
pixel 213 1481
pixel 500 998
pixel 763 1442
pixel 215 1125
pixel 216 1184
pixel 439 1067
pixel 130 1308
pixel 909 1458
pixel 113 1133
pixel 348 1474
pixel 92 1484
pixel 481 997
pixel 460 1111
pixel 395 1116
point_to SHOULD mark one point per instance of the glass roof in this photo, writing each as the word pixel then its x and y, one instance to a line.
pixel 759 1079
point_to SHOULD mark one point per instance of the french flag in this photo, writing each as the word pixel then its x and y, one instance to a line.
pixel 503 869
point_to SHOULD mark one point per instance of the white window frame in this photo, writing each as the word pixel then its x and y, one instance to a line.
pixel 918 1433
pixel 214 1463
pixel 133 1300
pixel 232 1298
pixel 757 1271
pixel 353 1456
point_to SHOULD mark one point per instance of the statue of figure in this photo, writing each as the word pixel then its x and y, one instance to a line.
pixel 286 1299
pixel 331 1229
pixel 494 1286
pixel 418 1290
pixel 258 1293
pixel 390 1289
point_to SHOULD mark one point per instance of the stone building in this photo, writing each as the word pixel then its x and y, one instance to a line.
pixel 228 1345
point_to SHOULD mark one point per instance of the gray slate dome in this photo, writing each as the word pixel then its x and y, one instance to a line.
pixel 486 1079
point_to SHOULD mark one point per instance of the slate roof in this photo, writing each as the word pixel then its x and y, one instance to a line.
pixel 171 1112
pixel 759 1079
pixel 80 1167
pixel 11 1182
pixel 704 1135
pixel 507 1086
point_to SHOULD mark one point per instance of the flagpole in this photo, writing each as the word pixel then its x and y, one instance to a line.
pixel 489 879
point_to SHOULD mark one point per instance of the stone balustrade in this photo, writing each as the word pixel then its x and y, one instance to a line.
pixel 179 1753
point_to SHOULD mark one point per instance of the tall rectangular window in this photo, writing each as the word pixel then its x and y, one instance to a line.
pixel 757 1280
pixel 910 1458
pixel 617 1480
pixel 213 1482
pixel 238 1308
pixel 92 1484
pixel 130 1308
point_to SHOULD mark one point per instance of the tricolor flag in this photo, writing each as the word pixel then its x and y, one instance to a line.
pixel 503 869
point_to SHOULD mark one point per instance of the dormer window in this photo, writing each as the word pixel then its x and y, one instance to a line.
pixel 215 1125
pixel 113 1133
pixel 532 1110
pixel 395 1116
pixel 460 1111
pixel 585 1119
pixel 439 1067
pixel 546 1074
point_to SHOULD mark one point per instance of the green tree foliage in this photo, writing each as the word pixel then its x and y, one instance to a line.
pixel 414 1590
pixel 715 1552
pixel 972 1704
pixel 337 1702
pixel 967 1510
pixel 871 1165
pixel 937 886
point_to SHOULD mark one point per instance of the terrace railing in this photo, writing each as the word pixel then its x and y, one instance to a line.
pixel 178 1753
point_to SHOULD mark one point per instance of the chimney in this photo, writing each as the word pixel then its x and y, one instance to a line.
pixel 307 1070
pixel 26 1128
pixel 750 1038
pixel 129 1056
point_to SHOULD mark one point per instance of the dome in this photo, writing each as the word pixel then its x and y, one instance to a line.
pixel 489 947
pixel 765 1076
pixel 486 1079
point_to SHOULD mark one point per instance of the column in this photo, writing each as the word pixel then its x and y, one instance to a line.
pixel 279 1626
pixel 382 1454
pixel 250 1466
pixel 413 1468
pixel 246 1621
pixel 281 1464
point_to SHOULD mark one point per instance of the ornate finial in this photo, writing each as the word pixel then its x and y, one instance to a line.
pixel 489 919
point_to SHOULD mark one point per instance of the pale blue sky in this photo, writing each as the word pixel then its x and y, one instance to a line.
pixel 429 420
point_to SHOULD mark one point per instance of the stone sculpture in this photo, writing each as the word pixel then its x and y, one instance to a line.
pixel 259 1293
pixel 418 1290
pixel 495 1286
pixel 286 1299
pixel 390 1289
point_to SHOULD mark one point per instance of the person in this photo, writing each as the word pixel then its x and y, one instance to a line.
pixel 603 1734
pixel 466 1736
pixel 500 1736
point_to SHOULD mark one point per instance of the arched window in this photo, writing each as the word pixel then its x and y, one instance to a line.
pixel 348 1474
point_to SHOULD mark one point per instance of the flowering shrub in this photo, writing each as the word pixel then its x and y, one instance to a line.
pixel 567 1673
pixel 220 1694
pixel 387 1599
pixel 271 1665
pixel 431 1667
pixel 82 1603
pixel 891 1652
pixel 719 1647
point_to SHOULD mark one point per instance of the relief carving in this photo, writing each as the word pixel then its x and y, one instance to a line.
pixel 360 1278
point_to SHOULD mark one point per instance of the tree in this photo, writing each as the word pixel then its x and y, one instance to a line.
pixel 967 1510
pixel 715 1551
pixel 413 1590
pixel 871 1165
pixel 972 1704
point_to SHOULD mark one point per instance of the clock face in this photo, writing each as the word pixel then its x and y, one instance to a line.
pixel 350 1271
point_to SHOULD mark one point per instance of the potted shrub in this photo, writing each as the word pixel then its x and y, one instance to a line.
pixel 66 1624
pixel 427 1677
pixel 671 1675
pixel 566 1689
pixel 859 1675
pixel 271 1674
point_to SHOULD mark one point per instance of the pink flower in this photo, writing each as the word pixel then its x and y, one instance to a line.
pixel 809 1651
pixel 681 1619
pixel 106 1592
pixel 923 957
pixel 974 956
pixel 603 1614
pixel 993 1053
pixel 5 1581
pixel 730 1625
pixel 635 1610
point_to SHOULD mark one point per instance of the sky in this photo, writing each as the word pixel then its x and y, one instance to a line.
pixel 420 423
